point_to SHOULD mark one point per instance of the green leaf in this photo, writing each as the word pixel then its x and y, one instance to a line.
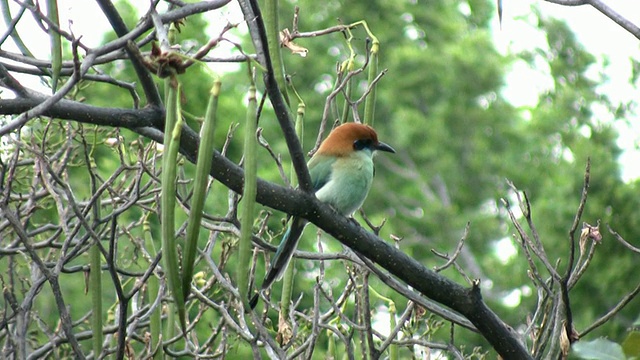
pixel 631 345
pixel 599 349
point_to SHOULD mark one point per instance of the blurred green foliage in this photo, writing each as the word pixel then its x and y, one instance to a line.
pixel 441 105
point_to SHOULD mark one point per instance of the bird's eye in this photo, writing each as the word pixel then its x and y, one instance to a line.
pixel 362 143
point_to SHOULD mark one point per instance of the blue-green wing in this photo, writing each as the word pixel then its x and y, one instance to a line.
pixel 320 170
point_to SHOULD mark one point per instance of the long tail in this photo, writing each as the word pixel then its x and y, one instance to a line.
pixel 282 257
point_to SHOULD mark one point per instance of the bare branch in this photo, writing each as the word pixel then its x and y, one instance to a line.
pixel 623 241
pixel 616 309
pixel 606 11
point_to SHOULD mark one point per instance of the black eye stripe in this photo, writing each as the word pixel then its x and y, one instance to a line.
pixel 362 143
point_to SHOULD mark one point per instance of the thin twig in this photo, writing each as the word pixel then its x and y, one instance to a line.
pixel 616 309
pixel 456 253
pixel 623 241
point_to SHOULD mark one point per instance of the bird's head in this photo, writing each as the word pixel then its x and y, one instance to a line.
pixel 350 137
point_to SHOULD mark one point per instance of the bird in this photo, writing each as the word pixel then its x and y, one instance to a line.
pixel 341 175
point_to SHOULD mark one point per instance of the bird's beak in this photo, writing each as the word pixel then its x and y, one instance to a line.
pixel 384 147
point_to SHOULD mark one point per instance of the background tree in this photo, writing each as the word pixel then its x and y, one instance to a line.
pixel 81 187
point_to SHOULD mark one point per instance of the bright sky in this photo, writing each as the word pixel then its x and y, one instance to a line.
pixel 601 36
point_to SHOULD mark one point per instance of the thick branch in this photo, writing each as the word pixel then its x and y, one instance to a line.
pixel 72 110
pixel 467 302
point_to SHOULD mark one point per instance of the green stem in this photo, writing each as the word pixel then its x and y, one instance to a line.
pixel 203 168
pixel 287 281
pixel 369 106
pixel 155 319
pixel 248 197
pixel 173 127
pixel 393 348
pixel 273 43
pixel 331 347
pixel 370 102
pixel 96 299
pixel 56 43
pixel 346 108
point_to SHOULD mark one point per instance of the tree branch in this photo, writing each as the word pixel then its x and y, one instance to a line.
pixel 467 302
pixel 623 22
